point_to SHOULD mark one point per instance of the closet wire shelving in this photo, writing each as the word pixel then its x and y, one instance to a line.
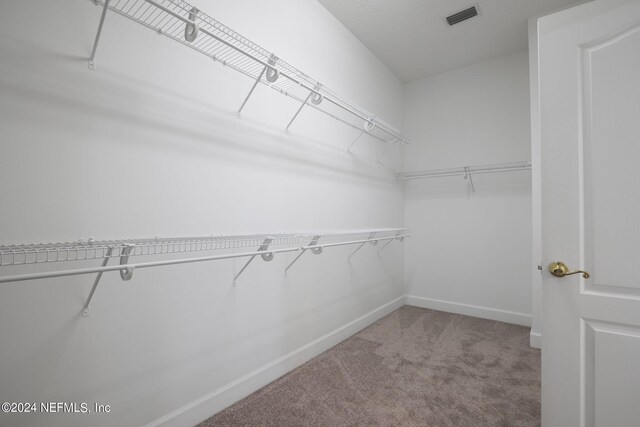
pixel 264 245
pixel 466 171
pixel 189 26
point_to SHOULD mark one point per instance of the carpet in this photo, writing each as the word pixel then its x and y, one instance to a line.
pixel 414 367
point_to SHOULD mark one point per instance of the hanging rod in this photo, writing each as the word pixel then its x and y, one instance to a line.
pixel 268 246
pixel 189 26
pixel 131 267
pixel 466 171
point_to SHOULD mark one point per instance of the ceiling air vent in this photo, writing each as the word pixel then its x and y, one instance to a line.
pixel 463 15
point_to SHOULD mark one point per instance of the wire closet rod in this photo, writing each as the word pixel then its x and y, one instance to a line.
pixel 80 271
pixel 268 246
pixel 189 26
pixel 466 170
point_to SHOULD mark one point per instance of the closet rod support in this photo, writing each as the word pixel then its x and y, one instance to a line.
pixel 85 310
pixel 468 175
pixel 299 109
pixel 355 140
pixel 369 240
pixel 316 251
pixel 267 256
pixel 272 76
pixel 385 245
pixel 369 125
pixel 126 273
pixel 92 64
pixel 252 89
pixel 286 270
pixel 398 237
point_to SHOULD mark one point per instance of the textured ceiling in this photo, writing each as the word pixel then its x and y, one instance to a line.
pixel 414 40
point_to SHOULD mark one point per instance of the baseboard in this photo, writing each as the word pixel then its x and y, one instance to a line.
pixel 206 406
pixel 535 339
pixel 471 310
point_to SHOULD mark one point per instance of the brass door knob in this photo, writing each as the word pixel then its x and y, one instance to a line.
pixel 560 269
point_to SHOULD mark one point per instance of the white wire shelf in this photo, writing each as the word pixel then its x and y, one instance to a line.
pixel 187 25
pixel 466 171
pixel 21 254
pixel 263 245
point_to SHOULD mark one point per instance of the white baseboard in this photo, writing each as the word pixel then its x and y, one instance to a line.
pixel 471 310
pixel 535 339
pixel 212 403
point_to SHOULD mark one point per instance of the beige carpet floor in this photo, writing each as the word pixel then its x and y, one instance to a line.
pixel 415 367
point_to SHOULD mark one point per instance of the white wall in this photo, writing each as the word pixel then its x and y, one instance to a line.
pixel 149 145
pixel 470 253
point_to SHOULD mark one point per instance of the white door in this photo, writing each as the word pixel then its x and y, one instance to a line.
pixel 589 63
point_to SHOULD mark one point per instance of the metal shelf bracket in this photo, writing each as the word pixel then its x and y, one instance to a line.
pixel 314 97
pixel 272 72
pixel 107 256
pixel 467 175
pixel 315 251
pixel 355 140
pixel 191 30
pixel 373 242
pixel 92 63
pixel 126 273
pixel 272 76
pixel 398 238
pixel 267 256
pixel 368 126
pixel 317 97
